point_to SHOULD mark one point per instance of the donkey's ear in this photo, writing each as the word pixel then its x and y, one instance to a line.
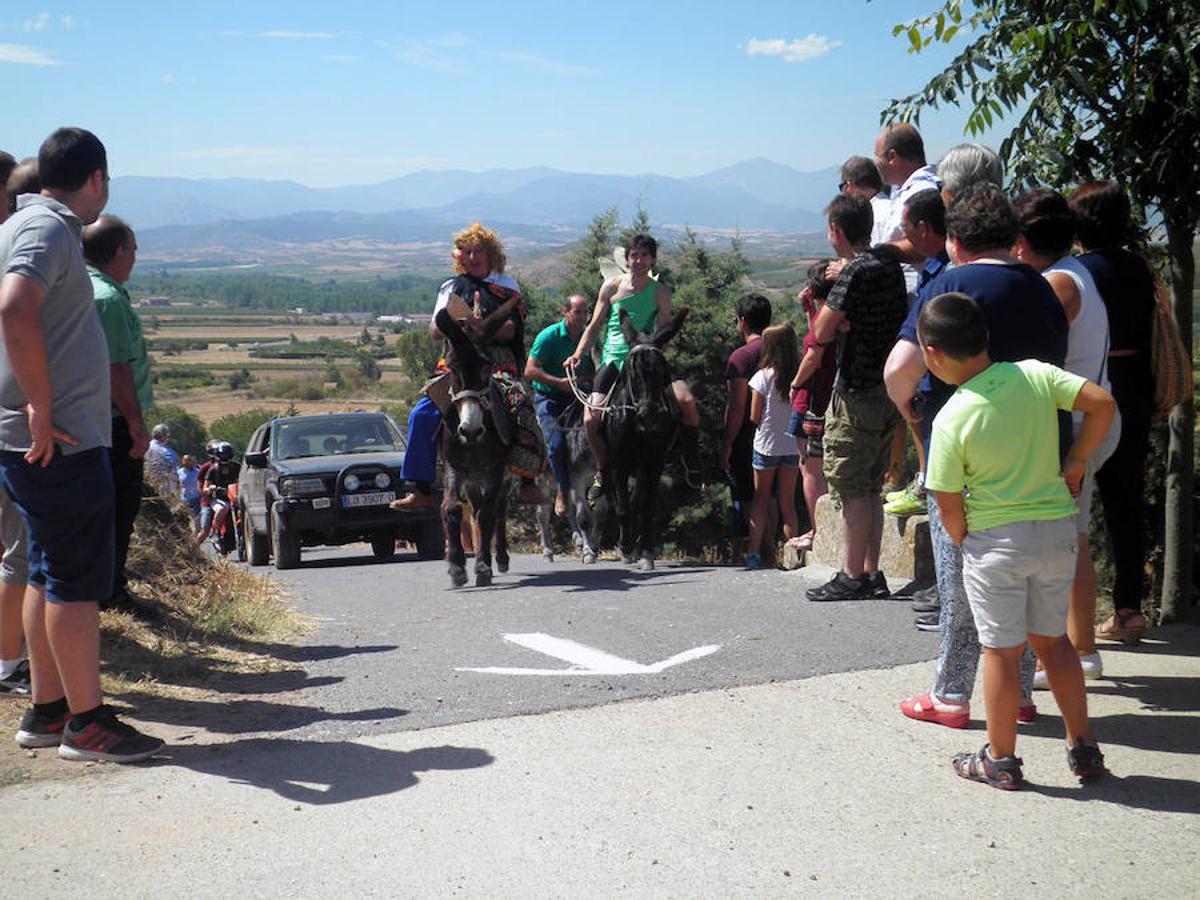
pixel 627 329
pixel 497 318
pixel 669 331
pixel 453 333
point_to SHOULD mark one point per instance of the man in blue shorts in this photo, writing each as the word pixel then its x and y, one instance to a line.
pixel 54 439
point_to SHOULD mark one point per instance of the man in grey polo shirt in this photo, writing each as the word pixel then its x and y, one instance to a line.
pixel 55 429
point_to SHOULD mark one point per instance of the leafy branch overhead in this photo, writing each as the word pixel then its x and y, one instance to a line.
pixel 1099 87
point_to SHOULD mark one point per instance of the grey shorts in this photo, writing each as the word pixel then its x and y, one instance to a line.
pixel 1018 580
pixel 14 569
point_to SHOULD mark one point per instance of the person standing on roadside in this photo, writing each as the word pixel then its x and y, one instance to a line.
pixel 110 248
pixel 54 436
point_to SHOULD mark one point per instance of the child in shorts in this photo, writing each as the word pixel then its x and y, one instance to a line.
pixel 996 440
pixel 776 462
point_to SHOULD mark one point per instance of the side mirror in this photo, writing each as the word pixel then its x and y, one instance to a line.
pixel 255 460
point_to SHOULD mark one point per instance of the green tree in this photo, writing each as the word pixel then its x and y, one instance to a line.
pixel 237 428
pixel 1100 90
pixel 583 272
pixel 368 368
pixel 418 354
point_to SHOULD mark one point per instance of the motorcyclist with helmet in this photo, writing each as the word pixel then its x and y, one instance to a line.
pixel 214 479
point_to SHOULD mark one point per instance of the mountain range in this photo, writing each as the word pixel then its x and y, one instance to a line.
pixel 247 218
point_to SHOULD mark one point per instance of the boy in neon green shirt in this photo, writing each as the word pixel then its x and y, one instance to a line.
pixel 997 440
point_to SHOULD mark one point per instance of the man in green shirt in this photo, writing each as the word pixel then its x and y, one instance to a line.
pixel 110 248
pixel 552 392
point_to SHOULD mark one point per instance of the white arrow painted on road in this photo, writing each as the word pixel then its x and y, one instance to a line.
pixel 586 660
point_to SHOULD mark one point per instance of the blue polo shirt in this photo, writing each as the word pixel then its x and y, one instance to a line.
pixel 551 348
pixel 1024 320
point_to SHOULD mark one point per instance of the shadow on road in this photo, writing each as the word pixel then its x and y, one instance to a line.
pixel 1149 792
pixel 245 716
pixel 320 774
pixel 592 578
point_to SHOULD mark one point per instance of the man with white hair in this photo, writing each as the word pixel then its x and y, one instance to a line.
pixel 162 463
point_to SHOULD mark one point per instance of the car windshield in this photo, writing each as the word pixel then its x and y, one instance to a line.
pixel 334 435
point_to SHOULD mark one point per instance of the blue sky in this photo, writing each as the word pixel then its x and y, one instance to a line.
pixel 356 92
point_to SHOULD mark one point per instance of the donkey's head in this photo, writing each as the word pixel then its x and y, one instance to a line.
pixel 471 367
pixel 648 376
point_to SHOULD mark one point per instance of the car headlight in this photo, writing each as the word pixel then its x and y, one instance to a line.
pixel 351 482
pixel 301 487
pixel 382 480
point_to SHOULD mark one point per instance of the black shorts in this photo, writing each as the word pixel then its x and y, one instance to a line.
pixel 606 377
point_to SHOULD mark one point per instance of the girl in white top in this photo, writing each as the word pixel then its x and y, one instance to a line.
pixel 1046 228
pixel 775 456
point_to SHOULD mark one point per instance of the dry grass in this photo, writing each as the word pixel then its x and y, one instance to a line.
pixel 223 635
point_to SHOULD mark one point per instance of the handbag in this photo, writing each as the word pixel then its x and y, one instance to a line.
pixel 1169 359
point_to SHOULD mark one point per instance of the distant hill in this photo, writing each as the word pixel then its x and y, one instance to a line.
pixel 282 222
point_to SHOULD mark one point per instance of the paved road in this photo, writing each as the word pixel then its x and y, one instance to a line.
pixel 774 766
pixel 393 637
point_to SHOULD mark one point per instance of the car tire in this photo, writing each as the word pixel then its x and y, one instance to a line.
pixel 258 547
pixel 284 545
pixel 431 540
pixel 383 545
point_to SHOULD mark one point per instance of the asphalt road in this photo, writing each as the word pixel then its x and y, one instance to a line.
pixel 393 638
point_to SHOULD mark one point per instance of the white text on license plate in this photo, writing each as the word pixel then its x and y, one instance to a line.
pixel 378 498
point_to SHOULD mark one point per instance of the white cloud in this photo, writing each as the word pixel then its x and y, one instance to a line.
pixel 40 23
pixel 542 64
pixel 25 56
pixel 432 53
pixel 814 46
pixel 298 35
pixel 168 78
pixel 68 21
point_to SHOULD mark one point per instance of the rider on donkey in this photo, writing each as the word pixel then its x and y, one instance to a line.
pixel 479 288
pixel 647 303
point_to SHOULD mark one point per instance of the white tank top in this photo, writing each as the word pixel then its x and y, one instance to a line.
pixel 1087 339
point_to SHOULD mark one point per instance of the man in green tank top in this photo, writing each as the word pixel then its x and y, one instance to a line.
pixel 648 305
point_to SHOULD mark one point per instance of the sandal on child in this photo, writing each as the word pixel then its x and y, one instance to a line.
pixel 1119 628
pixel 923 709
pixel 803 542
pixel 1003 773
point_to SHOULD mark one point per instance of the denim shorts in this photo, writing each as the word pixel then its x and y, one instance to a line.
pixel 14 569
pixel 69 519
pixel 787 460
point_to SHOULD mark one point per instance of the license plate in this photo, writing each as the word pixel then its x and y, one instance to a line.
pixel 378 498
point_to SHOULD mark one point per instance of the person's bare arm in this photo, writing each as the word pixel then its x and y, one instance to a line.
pixel 908 253
pixel 903 371
pixel 662 300
pixel 1098 408
pixel 535 372
pixel 1067 292
pixel 735 415
pixel 124 398
pixel 757 406
pixel 808 366
pixel 25 345
pixel 599 317
pixel 954 514
pixel 826 326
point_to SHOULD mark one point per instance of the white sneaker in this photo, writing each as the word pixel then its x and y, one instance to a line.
pixel 1092 665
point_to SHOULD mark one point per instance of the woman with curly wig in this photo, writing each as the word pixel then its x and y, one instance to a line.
pixel 479 288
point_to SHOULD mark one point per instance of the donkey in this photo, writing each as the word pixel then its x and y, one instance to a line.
pixel 581 466
pixel 476 435
pixel 639 428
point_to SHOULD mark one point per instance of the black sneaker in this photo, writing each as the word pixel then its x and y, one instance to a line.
pixel 1086 761
pixel 40 731
pixel 928 622
pixel 109 739
pixel 926 600
pixel 18 681
pixel 876 586
pixel 840 587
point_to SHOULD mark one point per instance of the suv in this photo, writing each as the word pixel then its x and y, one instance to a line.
pixel 329 479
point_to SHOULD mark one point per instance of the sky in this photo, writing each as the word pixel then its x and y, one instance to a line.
pixel 358 92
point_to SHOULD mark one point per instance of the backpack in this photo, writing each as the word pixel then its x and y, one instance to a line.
pixel 1169 359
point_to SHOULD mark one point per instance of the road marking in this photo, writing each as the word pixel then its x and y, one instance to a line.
pixel 586 660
